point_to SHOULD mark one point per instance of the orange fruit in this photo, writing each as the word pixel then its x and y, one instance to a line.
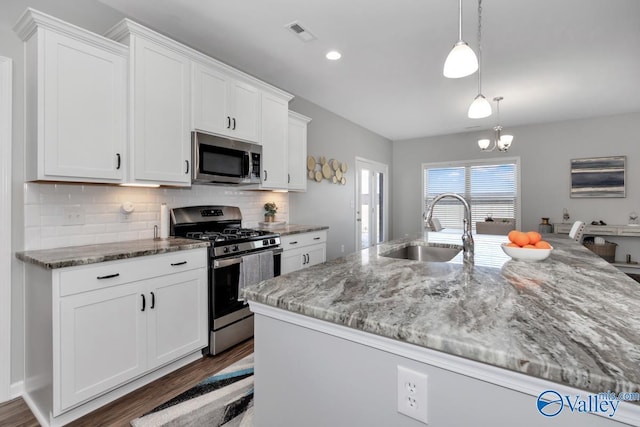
pixel 534 237
pixel 529 246
pixel 543 245
pixel 511 235
pixel 520 238
pixel 513 245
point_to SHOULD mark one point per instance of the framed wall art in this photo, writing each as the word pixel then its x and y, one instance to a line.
pixel 598 177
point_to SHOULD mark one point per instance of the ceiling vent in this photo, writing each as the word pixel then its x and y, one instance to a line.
pixel 302 33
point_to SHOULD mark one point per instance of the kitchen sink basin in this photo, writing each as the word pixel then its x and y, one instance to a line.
pixel 425 253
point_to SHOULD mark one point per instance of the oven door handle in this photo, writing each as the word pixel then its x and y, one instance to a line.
pixel 221 263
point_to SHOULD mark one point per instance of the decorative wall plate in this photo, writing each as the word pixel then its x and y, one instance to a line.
pixel 318 176
pixel 344 167
pixel 326 171
pixel 311 163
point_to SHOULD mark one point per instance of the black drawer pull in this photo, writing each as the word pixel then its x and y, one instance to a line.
pixel 153 300
pixel 234 124
pixel 316 238
pixel 144 302
pixel 119 160
pixel 108 276
pixel 293 243
pixel 174 264
pixel 187 171
pixel 228 122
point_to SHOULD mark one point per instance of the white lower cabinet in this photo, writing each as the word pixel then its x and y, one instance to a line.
pixel 103 326
pixel 303 250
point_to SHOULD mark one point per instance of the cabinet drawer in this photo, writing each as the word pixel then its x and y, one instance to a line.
pixel 599 229
pixel 111 273
pixel 629 231
pixel 303 239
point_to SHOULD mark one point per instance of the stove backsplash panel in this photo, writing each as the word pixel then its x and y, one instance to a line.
pixel 58 215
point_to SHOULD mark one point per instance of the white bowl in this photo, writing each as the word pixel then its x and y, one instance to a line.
pixel 526 254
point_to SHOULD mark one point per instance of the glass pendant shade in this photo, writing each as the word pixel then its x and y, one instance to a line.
pixel 460 62
pixel 505 142
pixel 483 144
pixel 479 108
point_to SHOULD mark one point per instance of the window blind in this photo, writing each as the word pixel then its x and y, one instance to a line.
pixel 489 188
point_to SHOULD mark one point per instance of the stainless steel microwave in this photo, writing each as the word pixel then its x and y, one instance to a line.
pixel 220 160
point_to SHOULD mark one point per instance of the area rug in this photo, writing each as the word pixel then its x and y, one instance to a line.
pixel 224 399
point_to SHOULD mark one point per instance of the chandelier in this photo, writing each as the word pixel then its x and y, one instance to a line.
pixel 500 141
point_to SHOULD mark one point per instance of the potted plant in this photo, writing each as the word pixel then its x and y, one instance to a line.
pixel 270 210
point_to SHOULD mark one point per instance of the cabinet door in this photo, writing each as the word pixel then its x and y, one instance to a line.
pixel 103 341
pixel 316 254
pixel 297 154
pixel 210 100
pixel 245 120
pixel 291 260
pixel 178 321
pixel 275 123
pixel 83 111
pixel 161 114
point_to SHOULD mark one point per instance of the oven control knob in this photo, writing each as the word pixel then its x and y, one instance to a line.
pixel 235 248
pixel 226 249
pixel 273 241
pixel 265 242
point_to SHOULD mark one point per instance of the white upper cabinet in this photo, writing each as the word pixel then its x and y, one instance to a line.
pixel 275 145
pixel 76 102
pixel 160 127
pixel 225 105
pixel 297 151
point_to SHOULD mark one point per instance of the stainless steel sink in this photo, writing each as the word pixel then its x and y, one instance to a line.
pixel 425 253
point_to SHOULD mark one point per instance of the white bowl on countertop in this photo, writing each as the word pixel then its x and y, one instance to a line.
pixel 526 254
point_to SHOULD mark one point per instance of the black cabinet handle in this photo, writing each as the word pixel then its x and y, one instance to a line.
pixel 187 162
pixel 295 242
pixel 316 238
pixel 119 160
pixel 234 124
pixel 288 178
pixel 153 300
pixel 265 174
pixel 228 122
pixel 308 259
pixel 108 276
pixel 178 263
pixel 144 302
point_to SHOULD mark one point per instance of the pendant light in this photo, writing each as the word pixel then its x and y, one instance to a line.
pixel 480 107
pixel 461 61
pixel 500 141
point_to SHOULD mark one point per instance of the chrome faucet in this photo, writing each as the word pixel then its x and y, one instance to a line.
pixel 467 238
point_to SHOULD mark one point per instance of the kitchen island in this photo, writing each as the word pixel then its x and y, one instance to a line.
pixel 490 338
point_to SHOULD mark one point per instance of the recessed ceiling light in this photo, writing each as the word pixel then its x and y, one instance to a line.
pixel 333 55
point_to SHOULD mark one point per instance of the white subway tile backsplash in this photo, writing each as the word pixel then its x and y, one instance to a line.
pixel 104 221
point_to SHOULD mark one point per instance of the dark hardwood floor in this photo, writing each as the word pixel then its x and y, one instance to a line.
pixel 120 412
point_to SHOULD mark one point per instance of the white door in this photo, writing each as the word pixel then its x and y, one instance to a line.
pixel 210 100
pixel 275 129
pixel 161 115
pixel 6 73
pixel 103 341
pixel 371 203
pixel 85 105
pixel 245 121
pixel 177 315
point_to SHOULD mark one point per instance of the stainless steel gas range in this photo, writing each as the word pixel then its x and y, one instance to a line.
pixel 238 257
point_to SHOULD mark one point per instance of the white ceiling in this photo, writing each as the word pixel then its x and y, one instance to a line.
pixel 551 60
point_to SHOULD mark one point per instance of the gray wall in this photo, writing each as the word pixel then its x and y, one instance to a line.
pixel 545 151
pixel 334 137
pixel 88 14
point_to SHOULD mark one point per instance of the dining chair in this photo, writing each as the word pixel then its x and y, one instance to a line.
pixel 577 231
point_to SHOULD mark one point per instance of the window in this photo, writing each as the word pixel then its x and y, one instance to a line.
pixel 490 187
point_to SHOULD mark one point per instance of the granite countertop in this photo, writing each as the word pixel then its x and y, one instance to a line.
pixel 572 318
pixel 90 254
pixel 287 229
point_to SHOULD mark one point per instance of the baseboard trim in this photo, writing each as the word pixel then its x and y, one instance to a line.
pixel 47 420
pixel 16 390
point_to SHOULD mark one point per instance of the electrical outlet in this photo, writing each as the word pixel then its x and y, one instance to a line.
pixel 412 394
pixel 73 215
